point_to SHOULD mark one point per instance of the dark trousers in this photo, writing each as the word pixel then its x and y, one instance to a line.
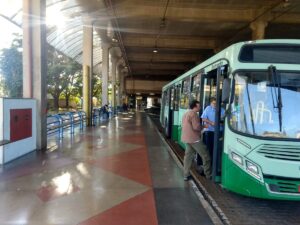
pixel 208 140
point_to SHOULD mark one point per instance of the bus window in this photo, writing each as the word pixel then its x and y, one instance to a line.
pixel 184 98
pixel 172 98
pixel 195 93
pixel 167 98
pixel 177 98
pixel 210 90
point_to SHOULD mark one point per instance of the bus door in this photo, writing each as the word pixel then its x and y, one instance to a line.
pixel 162 110
pixel 208 90
pixel 170 121
pixel 167 113
pixel 219 124
pixel 175 92
pixel 211 87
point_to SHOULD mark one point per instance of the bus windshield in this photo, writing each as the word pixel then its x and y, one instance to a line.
pixel 264 107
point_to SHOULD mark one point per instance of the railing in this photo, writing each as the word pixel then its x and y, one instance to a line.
pixel 61 122
pixel 58 123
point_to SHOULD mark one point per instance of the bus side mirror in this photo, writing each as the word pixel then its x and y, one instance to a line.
pixel 226 90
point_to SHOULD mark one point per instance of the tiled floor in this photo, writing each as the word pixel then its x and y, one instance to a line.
pixel 119 173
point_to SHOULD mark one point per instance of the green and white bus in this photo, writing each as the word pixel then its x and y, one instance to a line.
pixel 258 85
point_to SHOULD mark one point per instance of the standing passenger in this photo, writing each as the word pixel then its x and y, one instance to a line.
pixel 191 132
pixel 208 118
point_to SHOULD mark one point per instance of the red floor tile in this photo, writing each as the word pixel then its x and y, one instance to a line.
pixel 139 210
pixel 133 139
pixel 132 165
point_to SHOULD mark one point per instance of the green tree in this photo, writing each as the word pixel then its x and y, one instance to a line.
pixel 11 67
pixel 62 74
pixel 96 86
pixel 74 73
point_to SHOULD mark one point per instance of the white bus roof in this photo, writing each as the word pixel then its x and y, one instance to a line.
pixel 228 54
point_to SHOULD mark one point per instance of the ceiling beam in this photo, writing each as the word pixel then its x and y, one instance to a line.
pixel 185 14
pixel 290 18
pixel 129 9
pixel 152 57
pixel 161 78
pixel 157 72
pixel 142 91
pixel 173 42
pixel 159 66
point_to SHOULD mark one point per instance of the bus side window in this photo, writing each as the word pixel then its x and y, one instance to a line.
pixel 184 98
pixel 195 93
pixel 172 98
pixel 210 90
pixel 177 98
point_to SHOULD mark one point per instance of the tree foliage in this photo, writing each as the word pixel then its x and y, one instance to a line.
pixel 63 73
pixel 11 68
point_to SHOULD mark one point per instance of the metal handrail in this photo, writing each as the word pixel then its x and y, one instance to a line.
pixel 68 120
pixel 62 121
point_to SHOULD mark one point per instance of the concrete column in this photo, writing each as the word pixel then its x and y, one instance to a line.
pixel 122 85
pixel 35 63
pixel 86 80
pixel 105 71
pixel 258 29
pixel 118 76
pixel 118 95
pixel 113 80
pixel 87 69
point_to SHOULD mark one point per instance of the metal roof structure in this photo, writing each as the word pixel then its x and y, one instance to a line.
pixel 66 37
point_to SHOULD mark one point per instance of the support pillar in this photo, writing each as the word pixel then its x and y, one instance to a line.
pixel 105 70
pixel 118 76
pixel 113 81
pixel 118 95
pixel 87 69
pixel 86 93
pixel 122 85
pixel 35 63
pixel 258 29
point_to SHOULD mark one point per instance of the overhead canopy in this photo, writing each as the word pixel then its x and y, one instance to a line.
pixel 162 39
pixel 64 24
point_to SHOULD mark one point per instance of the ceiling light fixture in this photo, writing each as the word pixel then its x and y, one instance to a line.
pixel 155 51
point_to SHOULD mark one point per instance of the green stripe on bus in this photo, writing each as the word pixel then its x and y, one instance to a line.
pixel 237 180
pixel 179 138
pixel 175 132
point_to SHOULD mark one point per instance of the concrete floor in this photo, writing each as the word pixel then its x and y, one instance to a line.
pixel 117 173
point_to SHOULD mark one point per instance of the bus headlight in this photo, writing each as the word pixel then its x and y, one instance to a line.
pixel 235 157
pixel 252 169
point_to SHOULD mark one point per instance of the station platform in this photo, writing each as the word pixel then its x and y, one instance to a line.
pixel 235 209
pixel 119 172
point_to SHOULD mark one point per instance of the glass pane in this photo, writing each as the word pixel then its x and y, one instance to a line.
pixel 172 98
pixel 11 50
pixel 184 98
pixel 195 93
pixel 271 53
pixel 257 110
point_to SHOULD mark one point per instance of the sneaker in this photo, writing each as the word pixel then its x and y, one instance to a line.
pixel 187 178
